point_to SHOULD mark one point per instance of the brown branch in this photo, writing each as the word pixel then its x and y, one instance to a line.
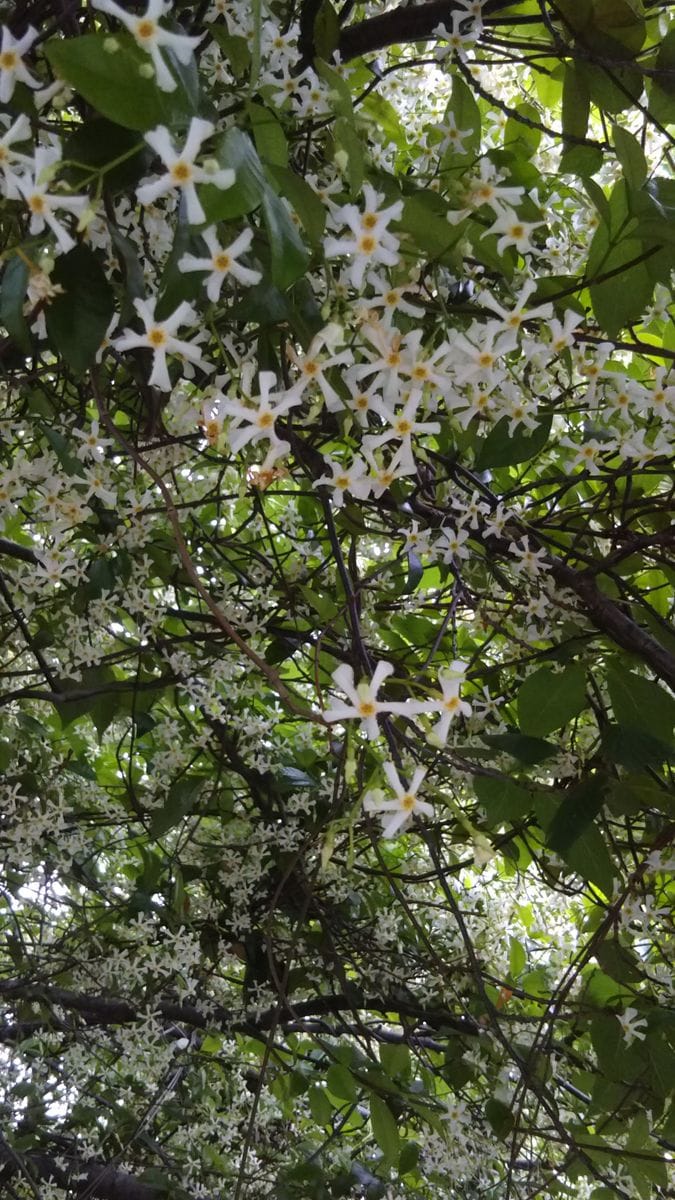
pixel 414 23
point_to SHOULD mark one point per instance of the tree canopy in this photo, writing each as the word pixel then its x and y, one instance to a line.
pixel 336 597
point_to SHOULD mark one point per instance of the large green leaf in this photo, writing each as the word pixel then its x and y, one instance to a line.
pixel 641 703
pixel 77 321
pixel 289 257
pixel 113 82
pixel 501 448
pixel 385 1130
pixel 547 700
pixel 235 150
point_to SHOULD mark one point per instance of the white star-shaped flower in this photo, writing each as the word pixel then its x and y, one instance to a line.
pixel 181 169
pixel 159 336
pixel 222 262
pixel 404 807
pixel 151 36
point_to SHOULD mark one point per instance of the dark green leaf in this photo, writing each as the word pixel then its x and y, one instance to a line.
pixel 630 155
pixel 501 448
pixel 502 799
pixel 270 139
pixel 547 700
pixel 385 1130
pixel 500 1117
pixel 289 257
pixel 306 203
pixel 179 802
pixel 13 298
pixel 528 750
pixel 112 82
pixel 633 748
pixel 641 704
pixel 235 151
pixel 77 321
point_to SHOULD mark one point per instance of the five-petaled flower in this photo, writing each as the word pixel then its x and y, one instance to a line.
pixel 450 706
pixel 365 705
pixel 222 262
pixel 159 336
pixel 406 805
pixel 12 68
pixel 41 203
pixel 632 1025
pixel 181 169
pixel 150 36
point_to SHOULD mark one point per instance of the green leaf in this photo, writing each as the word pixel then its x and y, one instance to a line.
pixel 503 449
pixel 12 299
pixel 235 48
pixel 630 155
pixel 641 704
pixel 576 102
pixel 385 1130
pixel 77 321
pixel 618 961
pixel 304 200
pixel 633 748
pixel 547 700
pixel 341 1083
pixel 179 802
pixel 235 150
pixel 589 857
pixel 349 144
pixel 112 82
pixel 289 257
pixel 326 31
pixel 385 119
pixel 517 958
pixel 499 1117
pixel 118 155
pixel 528 750
pixel 502 799
pixel 424 218
pixel 579 807
pixel 395 1059
pixel 520 136
pixel 466 112
pixel 662 84
pixel 320 1106
pixel 584 161
pixel 268 133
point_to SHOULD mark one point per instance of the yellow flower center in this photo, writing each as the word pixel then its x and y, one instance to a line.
pixel 367 245
pixel 408 801
pixel 181 172
pixel 367 708
pixel 394 359
pixel 265 420
pixel 420 372
pixel 404 426
pixel 8 60
pixel 145 30
pixel 486 360
pixel 342 481
pixel 452 704
pixel 368 220
pixel 36 203
pixel 157 337
pixel 517 231
pixel 310 368
pixel 361 402
pixel 222 262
